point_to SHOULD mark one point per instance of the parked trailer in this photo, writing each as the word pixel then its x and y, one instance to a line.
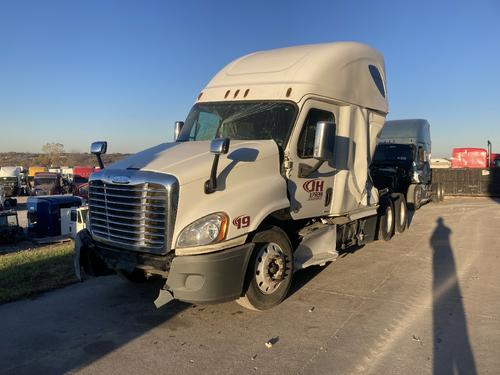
pixel 469 181
pixel 268 175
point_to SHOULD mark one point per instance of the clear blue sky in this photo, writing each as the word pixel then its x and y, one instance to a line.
pixel 124 71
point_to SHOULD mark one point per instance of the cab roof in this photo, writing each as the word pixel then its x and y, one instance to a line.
pixel 345 71
pixel 406 131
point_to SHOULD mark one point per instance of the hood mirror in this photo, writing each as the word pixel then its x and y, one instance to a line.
pixel 98 149
pixel 177 129
pixel 218 147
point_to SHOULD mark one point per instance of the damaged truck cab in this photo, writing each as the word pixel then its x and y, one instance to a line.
pixel 269 174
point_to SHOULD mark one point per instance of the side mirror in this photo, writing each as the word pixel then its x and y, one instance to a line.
pixel 177 129
pixel 324 141
pixel 99 148
pixel 421 154
pixel 219 146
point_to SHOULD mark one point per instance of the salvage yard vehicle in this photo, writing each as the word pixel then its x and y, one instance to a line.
pixel 402 162
pixel 10 179
pixel 47 183
pixel 268 175
pixel 10 231
pixel 473 157
pixel 32 171
pixel 80 181
pixel 77 221
pixel 49 215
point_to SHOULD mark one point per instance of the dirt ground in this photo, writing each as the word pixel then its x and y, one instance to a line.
pixel 426 302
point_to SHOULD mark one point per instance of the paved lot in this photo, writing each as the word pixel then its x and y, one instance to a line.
pixel 426 302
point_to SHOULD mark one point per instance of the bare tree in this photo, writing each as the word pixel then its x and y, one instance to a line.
pixel 52 154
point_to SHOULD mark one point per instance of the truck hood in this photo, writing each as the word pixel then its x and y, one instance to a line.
pixel 191 161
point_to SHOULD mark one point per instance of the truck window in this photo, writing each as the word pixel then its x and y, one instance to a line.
pixel 393 153
pixel 377 79
pixel 239 120
pixel 305 147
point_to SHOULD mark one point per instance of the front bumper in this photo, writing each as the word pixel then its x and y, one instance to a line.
pixel 205 278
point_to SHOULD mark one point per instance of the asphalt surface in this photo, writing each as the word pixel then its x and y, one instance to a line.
pixel 425 302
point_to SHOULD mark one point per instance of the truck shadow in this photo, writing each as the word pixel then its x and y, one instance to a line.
pixel 451 346
pixel 303 277
pixel 69 329
pixel 411 214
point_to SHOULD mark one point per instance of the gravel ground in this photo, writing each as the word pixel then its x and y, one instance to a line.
pixel 426 302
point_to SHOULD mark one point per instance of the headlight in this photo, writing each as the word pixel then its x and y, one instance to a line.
pixel 207 230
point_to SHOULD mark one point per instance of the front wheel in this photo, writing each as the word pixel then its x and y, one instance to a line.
pixel 270 270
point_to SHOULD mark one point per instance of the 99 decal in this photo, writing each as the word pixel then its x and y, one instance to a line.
pixel 242 221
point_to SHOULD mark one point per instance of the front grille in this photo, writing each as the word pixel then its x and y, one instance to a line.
pixel 134 216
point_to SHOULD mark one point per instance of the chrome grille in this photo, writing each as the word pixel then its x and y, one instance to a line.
pixel 133 216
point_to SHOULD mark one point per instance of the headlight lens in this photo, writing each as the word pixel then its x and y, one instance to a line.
pixel 204 231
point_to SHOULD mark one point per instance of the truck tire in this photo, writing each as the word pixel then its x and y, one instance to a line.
pixel 386 220
pixel 414 196
pixel 401 210
pixel 270 270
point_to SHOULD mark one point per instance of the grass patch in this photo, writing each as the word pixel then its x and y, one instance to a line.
pixel 28 272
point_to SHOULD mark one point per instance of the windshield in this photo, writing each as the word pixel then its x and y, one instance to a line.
pixel 389 152
pixel 239 120
pixel 45 181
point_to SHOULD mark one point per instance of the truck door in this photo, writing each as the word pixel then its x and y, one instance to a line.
pixel 310 195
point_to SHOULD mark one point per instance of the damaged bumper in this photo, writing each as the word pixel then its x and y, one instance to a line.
pixel 206 278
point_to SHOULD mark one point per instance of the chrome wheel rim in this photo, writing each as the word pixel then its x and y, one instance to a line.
pixel 270 268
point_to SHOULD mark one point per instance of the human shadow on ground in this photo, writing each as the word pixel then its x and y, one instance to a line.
pixel 452 348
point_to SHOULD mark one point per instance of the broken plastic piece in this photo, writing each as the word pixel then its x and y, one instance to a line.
pixel 163 298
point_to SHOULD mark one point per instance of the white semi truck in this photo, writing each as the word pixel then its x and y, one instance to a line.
pixel 268 175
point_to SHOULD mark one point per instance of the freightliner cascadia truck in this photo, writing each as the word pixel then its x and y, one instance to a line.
pixel 268 175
